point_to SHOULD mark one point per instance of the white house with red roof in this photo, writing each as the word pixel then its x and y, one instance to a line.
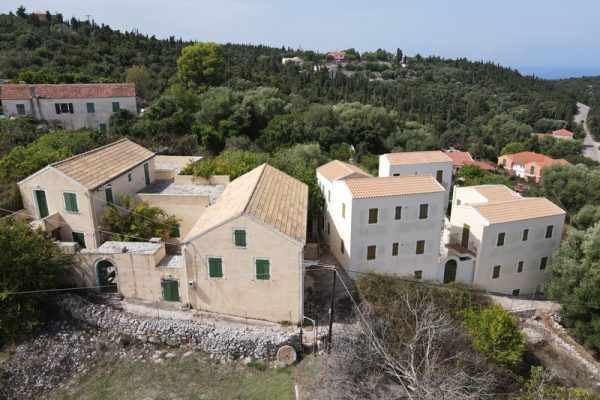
pixel 71 106
pixel 527 164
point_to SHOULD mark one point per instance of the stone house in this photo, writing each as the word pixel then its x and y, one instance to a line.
pixel 70 106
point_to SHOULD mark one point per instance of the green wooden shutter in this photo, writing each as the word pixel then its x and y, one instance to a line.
pixel 40 197
pixel 170 290
pixel 109 194
pixel 71 202
pixel 175 232
pixel 240 237
pixel 91 108
pixel 116 106
pixel 263 269
pixel 79 238
pixel 147 174
pixel 215 267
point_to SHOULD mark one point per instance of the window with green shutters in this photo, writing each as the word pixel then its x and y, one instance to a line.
pixel 42 204
pixel 147 174
pixel 79 238
pixel 263 269
pixel 215 267
pixel 71 202
pixel 170 289
pixel 239 238
pixel 175 231
pixel 423 211
pixel 21 109
pixel 91 108
pixel 116 106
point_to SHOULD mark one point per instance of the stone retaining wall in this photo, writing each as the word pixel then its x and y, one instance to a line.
pixel 231 341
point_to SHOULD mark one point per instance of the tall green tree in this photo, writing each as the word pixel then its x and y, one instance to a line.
pixel 29 263
pixel 201 65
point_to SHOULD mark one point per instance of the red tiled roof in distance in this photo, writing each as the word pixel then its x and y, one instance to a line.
pixel 66 91
pixel 563 133
pixel 459 158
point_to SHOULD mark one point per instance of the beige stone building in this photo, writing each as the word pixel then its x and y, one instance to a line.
pixel 68 198
pixel 244 256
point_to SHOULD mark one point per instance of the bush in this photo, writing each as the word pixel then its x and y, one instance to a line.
pixel 496 334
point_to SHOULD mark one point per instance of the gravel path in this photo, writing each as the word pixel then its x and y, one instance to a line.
pixel 590 149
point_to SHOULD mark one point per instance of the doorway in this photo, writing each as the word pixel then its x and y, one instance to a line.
pixel 450 271
pixel 107 276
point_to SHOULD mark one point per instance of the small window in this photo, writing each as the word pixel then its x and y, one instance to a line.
pixel 175 231
pixel 439 176
pixel 147 174
pixel 371 252
pixel 418 275
pixel 329 195
pixel 263 270
pixel 532 170
pixel 398 213
pixel 549 231
pixel 342 249
pixel 328 228
pixel 420 246
pixel 116 106
pixel 458 202
pixel 129 177
pixel 500 240
pixel 71 202
pixel 396 174
pixel 496 272
pixel 215 267
pixel 91 108
pixel 525 234
pixel 63 108
pixel 516 292
pixel 109 194
pixel 543 263
pixel 21 109
pixel 343 210
pixel 395 249
pixel 79 238
pixel 373 215
pixel 520 267
pixel 423 211
pixel 239 237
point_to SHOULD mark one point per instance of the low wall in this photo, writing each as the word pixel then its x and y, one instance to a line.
pixel 198 180
pixel 226 340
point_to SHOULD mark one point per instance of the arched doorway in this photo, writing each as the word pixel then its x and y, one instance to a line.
pixel 107 276
pixel 450 271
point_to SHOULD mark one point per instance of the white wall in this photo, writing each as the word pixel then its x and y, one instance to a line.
pixel 44 109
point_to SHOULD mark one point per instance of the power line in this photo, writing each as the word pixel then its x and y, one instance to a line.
pixel 54 290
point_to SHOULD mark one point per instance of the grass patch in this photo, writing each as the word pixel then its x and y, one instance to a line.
pixel 195 378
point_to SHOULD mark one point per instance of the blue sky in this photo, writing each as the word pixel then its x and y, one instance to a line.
pixel 549 37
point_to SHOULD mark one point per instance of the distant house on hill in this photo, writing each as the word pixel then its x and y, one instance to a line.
pixel 71 106
pixel 337 56
pixel 462 158
pixel 528 165
pixel 559 134
pixel 292 60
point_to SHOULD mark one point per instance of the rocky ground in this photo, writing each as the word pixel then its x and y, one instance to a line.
pixel 98 333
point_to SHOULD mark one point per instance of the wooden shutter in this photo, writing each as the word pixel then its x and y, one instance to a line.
pixel 263 269
pixel 240 237
pixel 109 194
pixel 71 202
pixel 170 289
pixel 215 267
pixel 40 197
pixel 79 238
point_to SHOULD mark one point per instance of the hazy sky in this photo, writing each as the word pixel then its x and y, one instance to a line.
pixel 547 36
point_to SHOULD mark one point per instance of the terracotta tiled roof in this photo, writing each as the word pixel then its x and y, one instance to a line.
pixel 363 188
pixel 518 210
pixel 459 158
pixel 97 167
pixel 336 169
pixel 488 166
pixel 563 133
pixel 67 91
pixel 495 193
pixel 266 193
pixel 417 157
pixel 528 157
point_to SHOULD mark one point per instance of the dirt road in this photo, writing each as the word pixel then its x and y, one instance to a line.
pixel 590 149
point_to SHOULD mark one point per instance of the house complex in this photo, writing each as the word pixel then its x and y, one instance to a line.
pixel 386 224
pixel 70 106
pixel 558 134
pixel 495 239
pixel 511 237
pixel 528 165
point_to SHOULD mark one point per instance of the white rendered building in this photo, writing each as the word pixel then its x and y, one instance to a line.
pixel 434 163
pixel 511 237
pixel 387 225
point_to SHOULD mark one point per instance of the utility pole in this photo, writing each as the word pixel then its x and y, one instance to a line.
pixel 331 309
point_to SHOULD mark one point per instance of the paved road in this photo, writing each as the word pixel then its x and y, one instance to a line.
pixel 590 145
